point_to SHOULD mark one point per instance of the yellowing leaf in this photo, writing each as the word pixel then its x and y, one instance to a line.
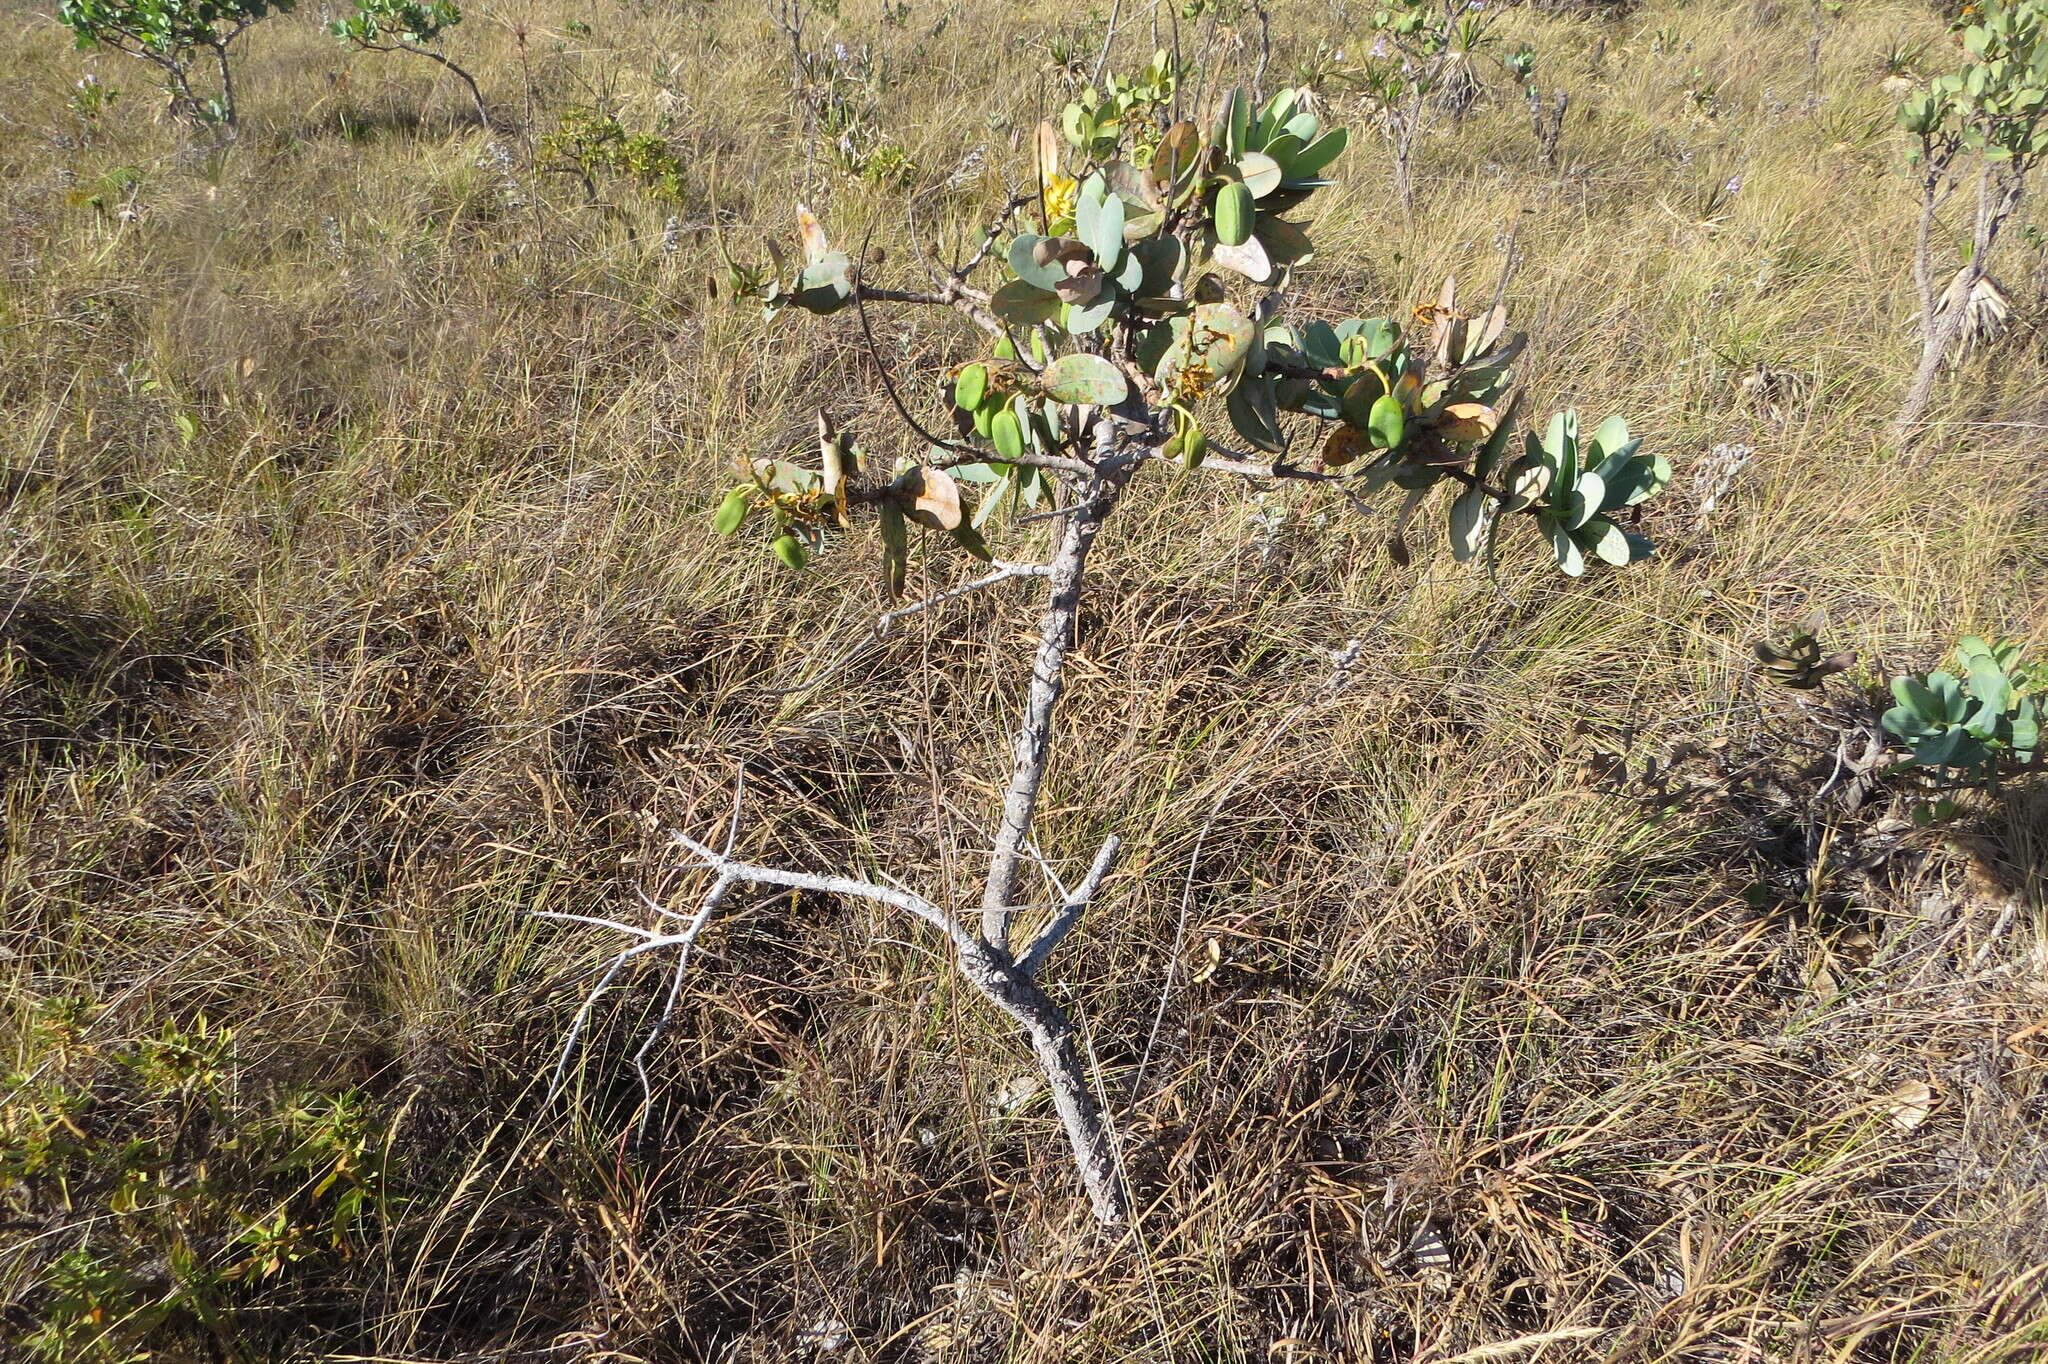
pixel 1345 444
pixel 813 233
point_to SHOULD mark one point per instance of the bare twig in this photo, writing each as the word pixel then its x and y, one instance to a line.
pixel 1116 11
pixel 993 235
pixel 684 942
pixel 915 905
pixel 1004 572
pixel 1062 923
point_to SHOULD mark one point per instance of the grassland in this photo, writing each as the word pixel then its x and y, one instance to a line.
pixel 358 600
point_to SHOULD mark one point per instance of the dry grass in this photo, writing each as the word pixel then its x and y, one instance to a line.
pixel 420 625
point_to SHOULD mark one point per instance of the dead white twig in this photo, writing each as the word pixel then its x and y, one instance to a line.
pixel 1004 572
pixel 651 940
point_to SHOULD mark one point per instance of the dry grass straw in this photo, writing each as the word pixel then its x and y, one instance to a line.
pixel 421 625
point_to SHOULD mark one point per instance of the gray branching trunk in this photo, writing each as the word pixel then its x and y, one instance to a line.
pixel 985 960
pixel 1017 993
pixel 1943 311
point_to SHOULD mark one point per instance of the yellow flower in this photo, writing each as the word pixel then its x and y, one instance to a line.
pixel 1061 192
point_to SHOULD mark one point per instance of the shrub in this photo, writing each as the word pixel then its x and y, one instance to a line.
pixel 1982 122
pixel 408 26
pixel 1144 293
pixel 174 35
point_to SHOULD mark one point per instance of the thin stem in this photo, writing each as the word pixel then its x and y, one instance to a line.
pixel 1003 573
pixel 1116 11
pixel 1943 316
pixel 1033 957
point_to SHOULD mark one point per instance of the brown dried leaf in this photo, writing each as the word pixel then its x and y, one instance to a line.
pixel 935 499
pixel 1909 1104
pixel 1045 152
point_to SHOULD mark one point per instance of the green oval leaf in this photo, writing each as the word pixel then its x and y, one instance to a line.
pixel 970 387
pixel 1387 422
pixel 1007 433
pixel 1318 154
pixel 732 511
pixel 1022 304
pixel 1260 173
pixel 1469 522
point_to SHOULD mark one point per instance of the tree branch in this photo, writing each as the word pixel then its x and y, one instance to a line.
pixel 476 95
pixel 993 235
pixel 954 296
pixel 989 969
pixel 915 905
pixel 1033 957
pixel 1056 632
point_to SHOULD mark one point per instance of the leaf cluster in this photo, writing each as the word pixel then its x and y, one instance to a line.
pixel 595 145
pixel 386 23
pixel 1799 663
pixel 162 28
pixel 1096 121
pixel 1127 295
pixel 1982 717
pixel 208 1188
pixel 799 504
pixel 1993 104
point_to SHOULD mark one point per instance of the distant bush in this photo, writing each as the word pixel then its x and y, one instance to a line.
pixel 408 26
pixel 1982 123
pixel 175 36
pixel 595 146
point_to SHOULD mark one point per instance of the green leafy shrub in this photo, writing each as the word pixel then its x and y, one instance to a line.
pixel 1095 120
pixel 90 98
pixel 174 35
pixel 1425 61
pixel 1977 722
pixel 1122 298
pixel 595 146
pixel 377 24
pixel 408 26
pixel 209 1189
